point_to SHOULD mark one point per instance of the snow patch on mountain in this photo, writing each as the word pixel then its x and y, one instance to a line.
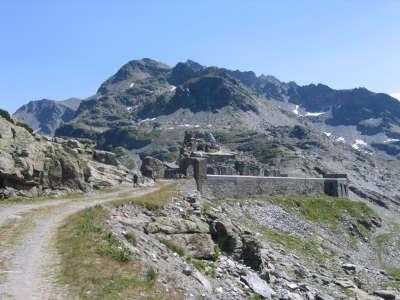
pixel 340 139
pixel 314 114
pixel 358 144
pixel 146 120
pixel 328 134
pixel 395 95
pixel 391 140
pixel 296 110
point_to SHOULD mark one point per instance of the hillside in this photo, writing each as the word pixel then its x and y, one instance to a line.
pixel 45 116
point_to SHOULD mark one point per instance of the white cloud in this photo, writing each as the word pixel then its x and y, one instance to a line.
pixel 395 95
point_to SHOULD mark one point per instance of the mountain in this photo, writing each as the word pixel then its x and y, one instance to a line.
pixel 45 116
pixel 357 117
pixel 146 107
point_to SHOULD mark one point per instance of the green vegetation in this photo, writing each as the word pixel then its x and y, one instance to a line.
pixel 206 267
pixel 257 144
pixel 151 275
pixel 113 248
pixel 328 210
pixel 323 208
pixel 233 136
pixel 95 265
pixel 217 253
pixel 381 242
pixel 129 137
pixel 262 149
pixel 41 198
pixel 174 248
pixel 256 297
pixel 131 238
pixel 306 248
pixel 205 209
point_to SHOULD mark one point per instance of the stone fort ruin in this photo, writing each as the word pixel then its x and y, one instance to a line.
pixel 223 173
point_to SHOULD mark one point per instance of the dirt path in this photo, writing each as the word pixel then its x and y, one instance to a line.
pixel 28 261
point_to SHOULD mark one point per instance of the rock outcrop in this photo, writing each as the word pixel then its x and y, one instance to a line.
pixel 152 167
pixel 33 165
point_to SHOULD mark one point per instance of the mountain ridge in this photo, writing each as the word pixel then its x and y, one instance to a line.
pixel 295 129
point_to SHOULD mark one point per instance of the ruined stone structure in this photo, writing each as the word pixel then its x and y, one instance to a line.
pixel 226 174
pixel 152 168
pixel 240 186
pixel 335 185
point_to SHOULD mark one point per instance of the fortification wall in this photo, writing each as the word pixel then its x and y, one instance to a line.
pixel 240 186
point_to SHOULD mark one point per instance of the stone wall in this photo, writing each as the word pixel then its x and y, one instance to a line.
pixel 240 186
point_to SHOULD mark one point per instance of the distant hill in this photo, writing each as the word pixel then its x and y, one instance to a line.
pixel 45 115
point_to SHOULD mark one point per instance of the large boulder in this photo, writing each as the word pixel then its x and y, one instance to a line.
pixel 105 157
pixel 152 167
pixel 252 252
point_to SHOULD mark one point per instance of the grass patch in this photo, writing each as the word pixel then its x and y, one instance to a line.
pixel 27 200
pixel 217 253
pixel 328 210
pixel 324 209
pixel 131 238
pixel 307 248
pixel 95 265
pixel 173 247
pixel 155 200
pixel 206 267
pixel 151 275
pixel 205 209
pixel 380 244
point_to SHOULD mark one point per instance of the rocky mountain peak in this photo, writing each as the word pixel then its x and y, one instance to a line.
pixel 131 73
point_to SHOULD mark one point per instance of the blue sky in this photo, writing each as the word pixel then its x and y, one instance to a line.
pixel 61 49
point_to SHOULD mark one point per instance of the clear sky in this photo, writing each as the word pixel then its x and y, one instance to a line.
pixel 66 48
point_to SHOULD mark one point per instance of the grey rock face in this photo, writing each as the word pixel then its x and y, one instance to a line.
pixel 323 297
pixel 385 294
pixel 257 285
pixel 45 116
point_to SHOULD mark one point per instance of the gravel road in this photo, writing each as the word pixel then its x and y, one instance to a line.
pixel 28 260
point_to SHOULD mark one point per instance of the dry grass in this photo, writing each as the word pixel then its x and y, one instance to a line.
pixel 154 200
pixel 95 265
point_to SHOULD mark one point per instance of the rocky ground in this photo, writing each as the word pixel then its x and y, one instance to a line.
pixel 32 165
pixel 264 248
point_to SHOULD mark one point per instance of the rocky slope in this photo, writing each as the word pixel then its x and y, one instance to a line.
pixel 262 248
pixel 34 165
pixel 45 116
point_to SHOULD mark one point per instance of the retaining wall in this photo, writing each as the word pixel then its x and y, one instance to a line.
pixel 239 186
